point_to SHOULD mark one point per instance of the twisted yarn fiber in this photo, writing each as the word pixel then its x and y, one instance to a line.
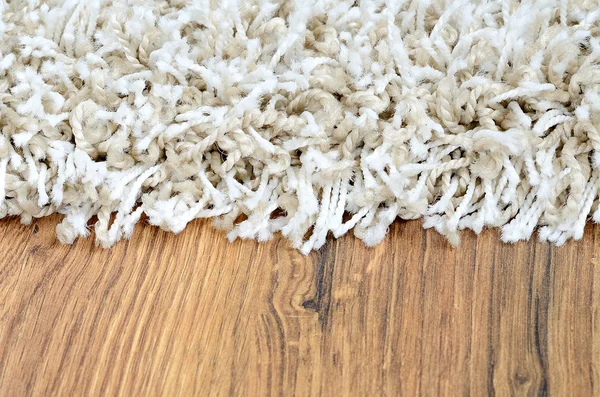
pixel 300 116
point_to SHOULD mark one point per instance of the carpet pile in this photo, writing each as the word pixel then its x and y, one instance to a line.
pixel 309 118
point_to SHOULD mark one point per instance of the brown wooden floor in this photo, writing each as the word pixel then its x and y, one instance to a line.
pixel 192 314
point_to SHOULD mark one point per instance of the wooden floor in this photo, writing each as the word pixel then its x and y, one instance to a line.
pixel 193 315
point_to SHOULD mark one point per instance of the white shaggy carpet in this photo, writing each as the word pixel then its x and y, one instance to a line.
pixel 309 118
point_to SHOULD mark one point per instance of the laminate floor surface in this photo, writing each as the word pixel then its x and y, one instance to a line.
pixel 190 314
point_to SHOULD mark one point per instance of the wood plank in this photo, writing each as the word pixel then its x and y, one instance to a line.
pixel 194 315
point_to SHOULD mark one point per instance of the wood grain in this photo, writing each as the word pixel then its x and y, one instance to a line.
pixel 193 315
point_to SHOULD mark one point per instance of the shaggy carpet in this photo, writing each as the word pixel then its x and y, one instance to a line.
pixel 302 117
